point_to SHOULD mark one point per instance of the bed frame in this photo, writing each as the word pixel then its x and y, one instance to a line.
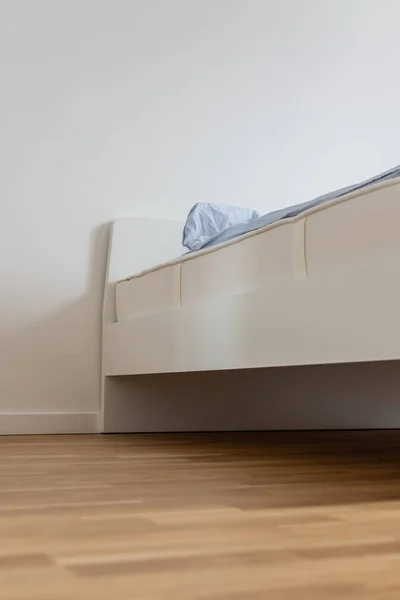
pixel 324 355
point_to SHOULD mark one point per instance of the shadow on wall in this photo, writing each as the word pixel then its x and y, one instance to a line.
pixel 54 365
pixel 346 396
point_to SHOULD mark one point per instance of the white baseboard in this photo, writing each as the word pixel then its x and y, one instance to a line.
pixel 48 423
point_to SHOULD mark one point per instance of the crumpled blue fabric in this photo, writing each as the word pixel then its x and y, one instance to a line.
pixel 206 221
pixel 212 224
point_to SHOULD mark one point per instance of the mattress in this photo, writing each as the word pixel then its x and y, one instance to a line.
pixel 338 234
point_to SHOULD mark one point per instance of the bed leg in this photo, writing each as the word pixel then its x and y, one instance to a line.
pixel 137 404
pixel 117 405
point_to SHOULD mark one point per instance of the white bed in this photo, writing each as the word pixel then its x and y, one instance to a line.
pixel 322 288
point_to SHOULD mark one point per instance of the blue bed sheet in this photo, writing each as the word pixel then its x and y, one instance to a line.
pixel 291 211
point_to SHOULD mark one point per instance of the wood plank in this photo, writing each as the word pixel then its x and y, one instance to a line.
pixel 202 517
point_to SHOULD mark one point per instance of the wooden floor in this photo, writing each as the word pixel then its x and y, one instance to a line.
pixel 300 516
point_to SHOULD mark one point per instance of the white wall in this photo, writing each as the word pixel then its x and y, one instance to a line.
pixel 111 108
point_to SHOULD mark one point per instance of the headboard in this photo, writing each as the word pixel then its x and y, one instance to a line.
pixel 137 244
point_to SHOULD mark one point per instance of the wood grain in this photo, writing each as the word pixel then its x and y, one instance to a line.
pixel 243 516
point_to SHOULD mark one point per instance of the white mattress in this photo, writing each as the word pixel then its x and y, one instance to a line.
pixel 334 235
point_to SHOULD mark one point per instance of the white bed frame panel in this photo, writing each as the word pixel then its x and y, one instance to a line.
pixel 211 365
